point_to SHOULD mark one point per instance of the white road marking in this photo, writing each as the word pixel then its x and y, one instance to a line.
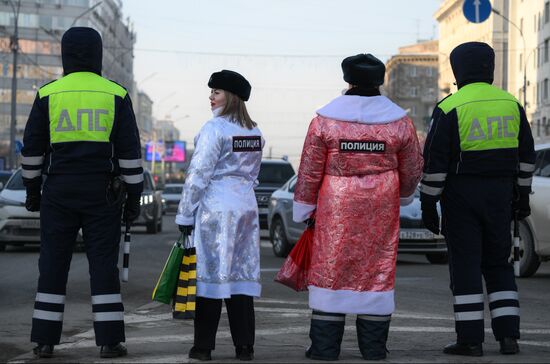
pixel 87 343
pixel 270 269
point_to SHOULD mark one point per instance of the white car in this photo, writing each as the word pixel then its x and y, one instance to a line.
pixel 17 225
pixel 171 194
pixel 535 230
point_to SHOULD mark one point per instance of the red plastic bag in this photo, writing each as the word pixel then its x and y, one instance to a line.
pixel 295 269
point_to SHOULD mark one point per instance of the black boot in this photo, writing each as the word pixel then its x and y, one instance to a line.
pixel 372 335
pixel 43 351
pixel 200 354
pixel 509 345
pixel 245 352
pixel 464 349
pixel 113 351
pixel 326 333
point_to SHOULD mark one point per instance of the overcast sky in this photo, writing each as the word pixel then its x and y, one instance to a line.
pixel 289 50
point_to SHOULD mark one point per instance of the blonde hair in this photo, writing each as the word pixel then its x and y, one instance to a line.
pixel 235 108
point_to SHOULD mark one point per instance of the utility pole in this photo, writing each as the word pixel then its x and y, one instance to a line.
pixel 14 45
pixel 524 54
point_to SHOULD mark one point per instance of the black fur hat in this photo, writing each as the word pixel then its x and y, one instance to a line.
pixel 363 70
pixel 473 62
pixel 231 81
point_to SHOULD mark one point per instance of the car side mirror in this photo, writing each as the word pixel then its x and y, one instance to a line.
pixel 1 186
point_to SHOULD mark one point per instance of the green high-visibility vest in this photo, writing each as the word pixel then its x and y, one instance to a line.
pixel 488 117
pixel 81 107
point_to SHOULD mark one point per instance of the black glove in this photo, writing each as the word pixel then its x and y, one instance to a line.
pixel 186 229
pixel 34 196
pixel 430 217
pixel 520 207
pixel 310 222
pixel 131 207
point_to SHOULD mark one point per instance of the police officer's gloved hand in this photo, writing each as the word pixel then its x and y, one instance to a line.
pixel 131 207
pixel 310 222
pixel 34 196
pixel 430 216
pixel 520 207
pixel 186 229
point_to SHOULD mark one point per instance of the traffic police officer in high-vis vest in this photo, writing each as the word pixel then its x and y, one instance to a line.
pixel 82 135
pixel 479 159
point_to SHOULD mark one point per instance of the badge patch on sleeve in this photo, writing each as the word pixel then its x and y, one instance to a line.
pixel 362 146
pixel 247 144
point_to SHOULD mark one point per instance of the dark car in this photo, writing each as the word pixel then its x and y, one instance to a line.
pixel 151 206
pixel 273 174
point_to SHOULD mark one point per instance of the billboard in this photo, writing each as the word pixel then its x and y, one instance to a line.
pixel 174 151
pixel 169 151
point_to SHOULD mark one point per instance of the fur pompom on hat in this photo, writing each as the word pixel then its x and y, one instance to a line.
pixel 231 81
pixel 363 70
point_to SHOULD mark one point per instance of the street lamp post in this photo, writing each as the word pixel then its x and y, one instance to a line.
pixel 14 46
pixel 524 55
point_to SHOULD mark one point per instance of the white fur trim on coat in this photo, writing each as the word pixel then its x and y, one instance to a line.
pixel 302 211
pixel 361 109
pixel 351 302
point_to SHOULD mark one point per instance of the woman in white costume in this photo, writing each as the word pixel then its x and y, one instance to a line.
pixel 219 206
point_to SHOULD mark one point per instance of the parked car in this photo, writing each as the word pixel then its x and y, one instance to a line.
pixel 171 196
pixel 151 206
pixel 413 236
pixel 17 225
pixel 4 177
pixel 273 174
pixel 534 231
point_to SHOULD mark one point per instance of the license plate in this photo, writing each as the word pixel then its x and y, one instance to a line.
pixel 30 224
pixel 416 235
pixel 263 211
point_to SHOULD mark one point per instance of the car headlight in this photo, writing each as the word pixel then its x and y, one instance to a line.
pixel 7 202
pixel 273 201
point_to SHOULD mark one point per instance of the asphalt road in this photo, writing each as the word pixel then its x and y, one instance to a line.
pixel 422 324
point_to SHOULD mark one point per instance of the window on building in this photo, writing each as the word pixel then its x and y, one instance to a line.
pixel 521 25
pixel 546 50
pixel 413 71
pixel 414 91
pixel 413 110
pixel 547 12
pixel 545 89
pixel 429 71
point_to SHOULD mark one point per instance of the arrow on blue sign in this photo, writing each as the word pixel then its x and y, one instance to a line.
pixel 477 11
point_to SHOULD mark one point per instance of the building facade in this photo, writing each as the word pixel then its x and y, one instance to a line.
pixel 529 60
pixel 41 26
pixel 144 116
pixel 454 29
pixel 412 81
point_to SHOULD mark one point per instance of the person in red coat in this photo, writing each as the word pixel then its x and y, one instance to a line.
pixel 360 159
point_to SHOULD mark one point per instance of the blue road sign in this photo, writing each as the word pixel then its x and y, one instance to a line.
pixel 476 11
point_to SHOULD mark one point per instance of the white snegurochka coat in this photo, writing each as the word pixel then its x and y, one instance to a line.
pixel 218 199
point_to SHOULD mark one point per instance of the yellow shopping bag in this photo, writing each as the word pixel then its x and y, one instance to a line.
pixel 186 291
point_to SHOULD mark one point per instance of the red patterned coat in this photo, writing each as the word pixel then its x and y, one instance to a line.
pixel 360 156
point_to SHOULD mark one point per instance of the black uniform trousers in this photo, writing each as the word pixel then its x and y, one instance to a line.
pixel 477 227
pixel 240 311
pixel 70 203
